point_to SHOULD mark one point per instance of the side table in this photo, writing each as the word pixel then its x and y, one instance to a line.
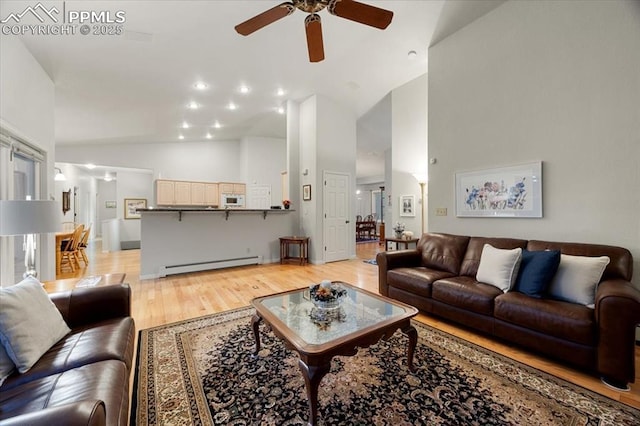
pixel 302 242
pixel 93 281
pixel 399 241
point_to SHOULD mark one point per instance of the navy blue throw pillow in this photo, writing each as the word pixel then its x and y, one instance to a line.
pixel 537 268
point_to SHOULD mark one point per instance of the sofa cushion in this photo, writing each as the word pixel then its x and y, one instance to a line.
pixel 415 280
pixel 466 293
pixel 499 267
pixel 473 254
pixel 537 269
pixel 29 322
pixel 564 320
pixel 442 251
pixel 577 279
pixel 110 339
pixel 106 380
pixel 621 260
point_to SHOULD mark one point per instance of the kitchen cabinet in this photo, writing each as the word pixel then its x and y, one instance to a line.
pixel 187 193
pixel 233 188
pixel 165 192
pixel 211 194
pixel 182 193
pixel 197 193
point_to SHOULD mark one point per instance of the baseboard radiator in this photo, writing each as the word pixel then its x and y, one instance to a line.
pixel 205 266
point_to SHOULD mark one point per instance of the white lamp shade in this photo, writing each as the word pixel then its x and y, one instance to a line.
pixel 19 217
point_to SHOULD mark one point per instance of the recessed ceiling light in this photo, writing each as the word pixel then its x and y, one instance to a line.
pixel 217 125
pixel 193 105
pixel 280 110
pixel 185 125
pixel 200 85
pixel 90 166
pixel 244 89
pixel 412 54
pixel 180 137
pixel 232 106
pixel 107 177
pixel 280 92
pixel 208 136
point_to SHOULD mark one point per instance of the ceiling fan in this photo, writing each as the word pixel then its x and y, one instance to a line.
pixel 348 9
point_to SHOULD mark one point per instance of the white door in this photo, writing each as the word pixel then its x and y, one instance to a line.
pixel 259 197
pixel 337 234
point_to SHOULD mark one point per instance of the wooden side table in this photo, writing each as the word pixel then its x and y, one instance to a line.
pixel 399 241
pixel 71 283
pixel 302 242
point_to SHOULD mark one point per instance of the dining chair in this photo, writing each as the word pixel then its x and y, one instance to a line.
pixel 69 249
pixel 84 240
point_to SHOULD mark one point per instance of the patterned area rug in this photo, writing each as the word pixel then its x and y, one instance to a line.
pixel 201 372
pixel 371 261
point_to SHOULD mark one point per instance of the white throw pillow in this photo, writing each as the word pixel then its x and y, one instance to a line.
pixel 577 279
pixel 29 323
pixel 499 267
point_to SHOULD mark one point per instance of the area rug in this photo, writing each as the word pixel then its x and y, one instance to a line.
pixel 201 372
pixel 371 261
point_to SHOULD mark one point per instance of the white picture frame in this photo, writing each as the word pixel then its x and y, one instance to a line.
pixel 513 191
pixel 407 205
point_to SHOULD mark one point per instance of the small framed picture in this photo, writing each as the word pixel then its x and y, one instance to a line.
pixel 306 192
pixel 131 206
pixel 109 204
pixel 407 205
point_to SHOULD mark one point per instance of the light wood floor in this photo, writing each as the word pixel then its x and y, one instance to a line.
pixel 179 297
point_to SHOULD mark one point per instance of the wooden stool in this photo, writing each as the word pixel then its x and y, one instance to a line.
pixel 303 252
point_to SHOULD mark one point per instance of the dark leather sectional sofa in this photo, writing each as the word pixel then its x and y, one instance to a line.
pixel 84 378
pixel 438 277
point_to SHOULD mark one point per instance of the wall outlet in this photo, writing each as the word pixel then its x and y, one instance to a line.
pixel 441 211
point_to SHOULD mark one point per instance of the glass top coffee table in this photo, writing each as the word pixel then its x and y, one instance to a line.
pixel 362 319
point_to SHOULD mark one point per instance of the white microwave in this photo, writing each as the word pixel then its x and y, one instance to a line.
pixel 232 201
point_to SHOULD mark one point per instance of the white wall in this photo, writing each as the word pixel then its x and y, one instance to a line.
pixel 106 192
pixel 264 159
pixel 409 152
pixel 327 143
pixel 26 109
pixel 557 82
pixel 201 161
pixel 132 185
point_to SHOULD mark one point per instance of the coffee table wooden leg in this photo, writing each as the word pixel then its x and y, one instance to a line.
pixel 312 377
pixel 255 323
pixel 412 334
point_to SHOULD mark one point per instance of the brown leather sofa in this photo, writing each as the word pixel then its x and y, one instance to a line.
pixel 438 277
pixel 84 378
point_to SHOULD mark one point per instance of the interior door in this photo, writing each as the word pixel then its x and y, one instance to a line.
pixel 337 228
pixel 259 197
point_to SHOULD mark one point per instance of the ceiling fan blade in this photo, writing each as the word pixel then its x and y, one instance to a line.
pixel 265 18
pixel 360 12
pixel 315 45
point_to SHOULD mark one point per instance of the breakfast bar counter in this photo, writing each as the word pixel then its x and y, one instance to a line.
pixel 179 240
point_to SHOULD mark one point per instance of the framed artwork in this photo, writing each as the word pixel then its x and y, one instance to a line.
pixel 306 192
pixel 407 205
pixel 66 201
pixel 131 206
pixel 110 204
pixel 514 191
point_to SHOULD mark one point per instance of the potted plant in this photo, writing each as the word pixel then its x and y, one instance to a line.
pixel 399 229
pixel 286 204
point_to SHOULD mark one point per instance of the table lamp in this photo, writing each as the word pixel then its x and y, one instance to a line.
pixel 29 217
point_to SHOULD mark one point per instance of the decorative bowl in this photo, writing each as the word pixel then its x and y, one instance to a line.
pixel 327 295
